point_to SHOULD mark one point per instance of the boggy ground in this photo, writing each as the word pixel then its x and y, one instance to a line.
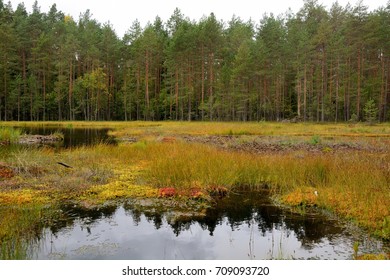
pixel 343 168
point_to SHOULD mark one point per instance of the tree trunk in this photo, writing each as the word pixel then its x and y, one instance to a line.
pixel 359 66
pixel 44 96
pixel 382 116
pixel 125 93
pixel 211 86
pixel 202 79
pixel 24 76
pixel 337 90
pixel 137 93
pixel 147 85
pixel 304 93
pixel 70 92
pixel 324 85
pixel 299 89
pixel 5 93
pixel 189 86
pixel 177 92
pixel 387 92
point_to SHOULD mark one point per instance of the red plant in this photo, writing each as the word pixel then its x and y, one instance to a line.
pixel 167 192
pixel 6 172
pixel 196 193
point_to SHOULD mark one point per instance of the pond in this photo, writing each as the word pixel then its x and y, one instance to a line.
pixel 73 137
pixel 241 226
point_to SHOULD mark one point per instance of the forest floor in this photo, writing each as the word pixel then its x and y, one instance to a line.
pixel 344 168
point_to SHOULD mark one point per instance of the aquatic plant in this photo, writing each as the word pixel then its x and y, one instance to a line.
pixel 315 140
pixel 58 135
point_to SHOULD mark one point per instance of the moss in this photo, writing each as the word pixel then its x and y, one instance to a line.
pixel 304 196
pixel 372 257
pixel 23 197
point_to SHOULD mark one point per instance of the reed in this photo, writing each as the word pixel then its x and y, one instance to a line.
pixel 20 228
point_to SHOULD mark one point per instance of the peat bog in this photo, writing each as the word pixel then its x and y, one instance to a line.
pixel 196 191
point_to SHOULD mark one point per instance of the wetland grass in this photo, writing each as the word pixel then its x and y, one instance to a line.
pixel 20 228
pixel 120 128
pixel 353 183
pixel 9 135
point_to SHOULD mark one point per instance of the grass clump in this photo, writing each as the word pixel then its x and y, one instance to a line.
pixel 9 135
pixel 20 227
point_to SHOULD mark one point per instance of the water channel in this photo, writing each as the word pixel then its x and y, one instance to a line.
pixel 242 225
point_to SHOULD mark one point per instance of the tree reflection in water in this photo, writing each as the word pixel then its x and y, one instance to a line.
pixel 242 225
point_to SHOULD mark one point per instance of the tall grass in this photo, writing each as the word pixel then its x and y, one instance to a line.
pixel 251 128
pixel 354 185
pixel 19 229
pixel 9 135
pixel 225 128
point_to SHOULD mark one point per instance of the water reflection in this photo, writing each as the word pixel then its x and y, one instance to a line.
pixel 241 226
pixel 73 137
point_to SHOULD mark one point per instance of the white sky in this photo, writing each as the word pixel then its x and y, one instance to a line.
pixel 122 13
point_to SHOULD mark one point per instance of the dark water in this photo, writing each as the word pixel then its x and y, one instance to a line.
pixel 73 137
pixel 242 226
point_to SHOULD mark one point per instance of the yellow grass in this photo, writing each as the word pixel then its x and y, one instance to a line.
pixel 225 128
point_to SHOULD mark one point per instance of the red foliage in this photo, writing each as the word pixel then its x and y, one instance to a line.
pixel 196 193
pixel 6 172
pixel 167 192
pixel 169 139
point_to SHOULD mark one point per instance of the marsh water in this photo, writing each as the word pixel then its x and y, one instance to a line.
pixel 73 137
pixel 243 225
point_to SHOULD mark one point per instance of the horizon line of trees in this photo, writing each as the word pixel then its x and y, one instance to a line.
pixel 316 65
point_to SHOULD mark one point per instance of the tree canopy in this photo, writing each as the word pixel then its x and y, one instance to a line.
pixel 315 65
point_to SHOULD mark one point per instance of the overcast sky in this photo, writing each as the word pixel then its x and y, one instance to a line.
pixel 121 13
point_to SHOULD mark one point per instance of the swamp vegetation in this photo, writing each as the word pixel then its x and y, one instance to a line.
pixel 343 169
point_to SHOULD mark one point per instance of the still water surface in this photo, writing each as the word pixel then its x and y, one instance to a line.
pixel 73 137
pixel 242 226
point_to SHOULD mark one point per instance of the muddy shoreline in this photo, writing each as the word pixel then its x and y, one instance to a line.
pixel 28 139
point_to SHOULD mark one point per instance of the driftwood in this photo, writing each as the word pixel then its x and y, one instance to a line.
pixel 64 165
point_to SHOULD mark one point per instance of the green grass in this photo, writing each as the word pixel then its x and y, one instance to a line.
pixel 20 227
pixel 9 135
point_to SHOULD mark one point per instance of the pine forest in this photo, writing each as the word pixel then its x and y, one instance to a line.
pixel 318 65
